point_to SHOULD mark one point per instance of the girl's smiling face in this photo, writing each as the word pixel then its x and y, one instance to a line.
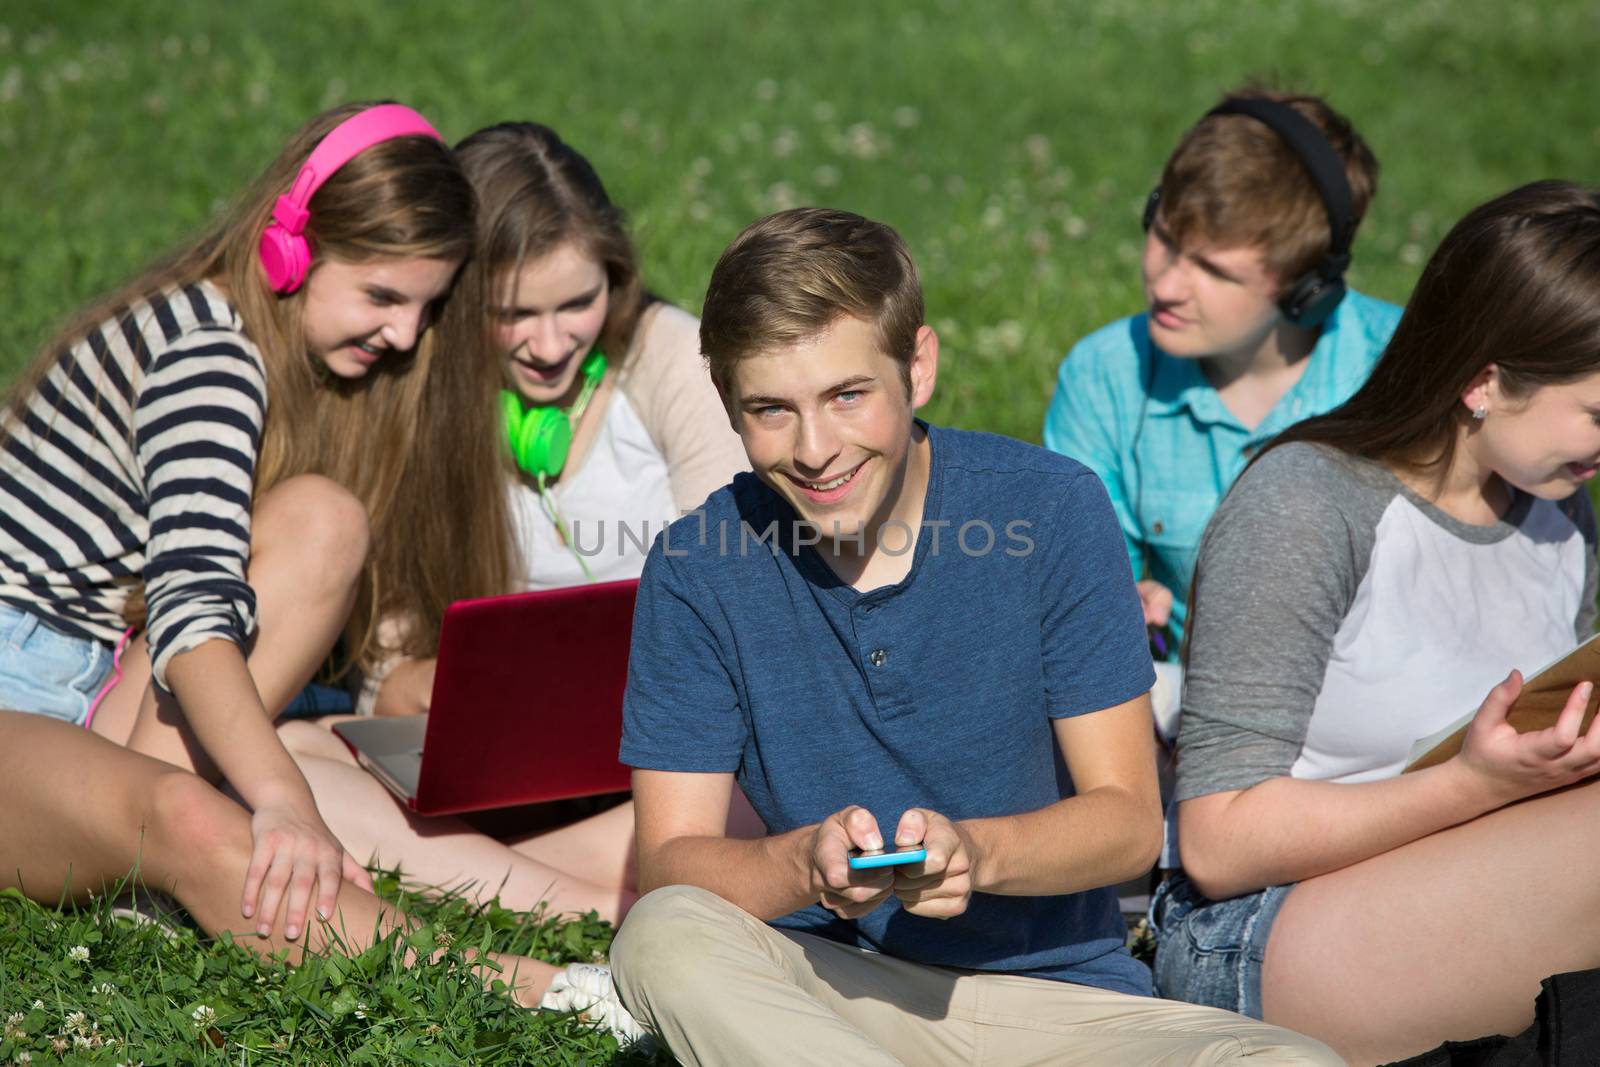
pixel 554 310
pixel 356 313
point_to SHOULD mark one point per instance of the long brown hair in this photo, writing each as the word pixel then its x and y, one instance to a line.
pixel 1515 283
pixel 381 436
pixel 535 194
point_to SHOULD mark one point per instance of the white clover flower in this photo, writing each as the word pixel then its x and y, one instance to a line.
pixel 24 1056
pixel 76 1022
pixel 203 1016
pixel 105 989
pixel 80 953
pixel 38 1004
pixel 361 1010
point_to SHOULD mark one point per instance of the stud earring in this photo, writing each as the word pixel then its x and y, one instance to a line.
pixel 1481 412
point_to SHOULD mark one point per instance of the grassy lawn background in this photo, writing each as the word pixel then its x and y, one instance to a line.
pixel 1012 145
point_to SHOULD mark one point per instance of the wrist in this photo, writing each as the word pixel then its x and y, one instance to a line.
pixel 1473 792
pixel 281 793
pixel 977 837
pixel 796 851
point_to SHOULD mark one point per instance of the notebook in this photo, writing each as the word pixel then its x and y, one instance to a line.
pixel 1538 707
pixel 526 706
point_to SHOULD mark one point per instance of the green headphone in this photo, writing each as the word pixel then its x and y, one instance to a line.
pixel 541 435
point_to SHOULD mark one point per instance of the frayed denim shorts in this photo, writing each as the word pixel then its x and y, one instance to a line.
pixel 47 672
pixel 1210 951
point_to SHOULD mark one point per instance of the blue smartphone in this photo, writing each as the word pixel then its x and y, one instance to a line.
pixel 862 859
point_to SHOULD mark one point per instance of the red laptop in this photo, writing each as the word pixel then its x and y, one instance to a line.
pixel 526 707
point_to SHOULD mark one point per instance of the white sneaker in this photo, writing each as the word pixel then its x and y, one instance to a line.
pixel 586 988
pixel 147 907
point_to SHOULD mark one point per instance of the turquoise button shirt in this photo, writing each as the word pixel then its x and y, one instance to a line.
pixel 1167 448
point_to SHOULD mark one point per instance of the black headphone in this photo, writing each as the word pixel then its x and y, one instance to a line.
pixel 1309 299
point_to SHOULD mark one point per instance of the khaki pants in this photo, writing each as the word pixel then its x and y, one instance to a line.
pixel 723 988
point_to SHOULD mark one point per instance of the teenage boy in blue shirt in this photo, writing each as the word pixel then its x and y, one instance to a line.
pixel 1248 330
pixel 889 633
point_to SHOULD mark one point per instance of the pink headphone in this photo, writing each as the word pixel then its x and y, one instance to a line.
pixel 285 253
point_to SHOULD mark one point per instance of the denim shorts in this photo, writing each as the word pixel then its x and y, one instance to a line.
pixel 1210 951
pixel 47 672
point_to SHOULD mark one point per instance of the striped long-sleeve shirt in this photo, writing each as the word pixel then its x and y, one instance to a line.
pixel 134 460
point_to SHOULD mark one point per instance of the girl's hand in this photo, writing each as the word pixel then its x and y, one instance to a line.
pixel 294 851
pixel 407 689
pixel 1513 765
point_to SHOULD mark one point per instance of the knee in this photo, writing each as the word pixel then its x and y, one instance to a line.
pixel 663 941
pixel 315 526
pixel 188 822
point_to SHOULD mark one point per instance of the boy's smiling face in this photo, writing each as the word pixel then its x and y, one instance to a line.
pixel 827 423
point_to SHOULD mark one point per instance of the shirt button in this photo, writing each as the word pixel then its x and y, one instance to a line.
pixel 1156 527
pixel 877 658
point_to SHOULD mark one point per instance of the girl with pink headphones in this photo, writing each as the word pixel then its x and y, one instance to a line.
pixel 611 421
pixel 211 456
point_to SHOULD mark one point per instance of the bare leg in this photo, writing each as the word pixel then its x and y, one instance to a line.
pixel 446 852
pixel 587 865
pixel 1445 938
pixel 308 541
pixel 79 813
pixel 602 846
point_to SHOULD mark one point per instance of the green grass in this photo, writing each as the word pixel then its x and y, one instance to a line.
pixel 1012 145
pixel 104 990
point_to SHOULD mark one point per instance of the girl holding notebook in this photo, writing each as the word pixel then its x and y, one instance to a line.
pixel 212 454
pixel 1375 572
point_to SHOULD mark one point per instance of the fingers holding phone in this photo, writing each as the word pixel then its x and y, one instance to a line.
pixel 845 889
pixel 940 886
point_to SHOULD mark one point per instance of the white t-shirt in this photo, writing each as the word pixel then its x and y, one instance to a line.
pixel 1339 616
pixel 663 446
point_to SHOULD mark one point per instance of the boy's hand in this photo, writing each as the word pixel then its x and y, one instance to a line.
pixel 1156 600
pixel 847 893
pixel 940 886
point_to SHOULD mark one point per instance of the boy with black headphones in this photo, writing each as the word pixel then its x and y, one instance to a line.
pixel 1248 329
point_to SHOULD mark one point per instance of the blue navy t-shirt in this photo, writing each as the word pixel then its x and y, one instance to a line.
pixel 751 656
